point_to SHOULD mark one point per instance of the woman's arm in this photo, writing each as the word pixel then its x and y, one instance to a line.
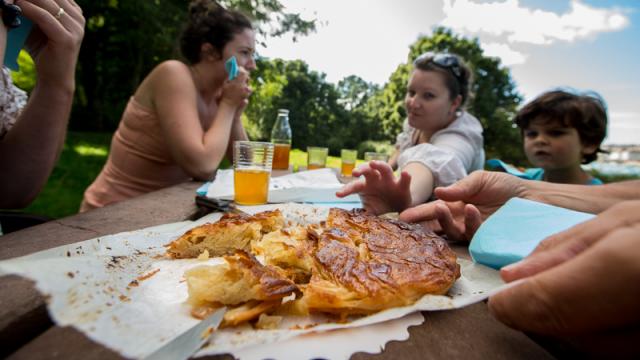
pixel 238 132
pixel 197 151
pixel 30 150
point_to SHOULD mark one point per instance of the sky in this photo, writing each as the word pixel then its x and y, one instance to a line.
pixel 583 44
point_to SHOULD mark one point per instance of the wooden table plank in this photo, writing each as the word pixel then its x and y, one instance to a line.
pixel 22 305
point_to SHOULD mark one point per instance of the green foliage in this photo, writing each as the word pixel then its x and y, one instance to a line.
pixel 494 102
pixel 25 78
pixel 124 40
pixel 316 117
pixel 383 147
pixel 81 160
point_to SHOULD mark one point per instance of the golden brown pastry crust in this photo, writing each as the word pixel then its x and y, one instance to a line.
pixel 366 264
pixel 232 232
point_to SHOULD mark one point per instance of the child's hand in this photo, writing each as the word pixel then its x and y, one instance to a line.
pixel 379 191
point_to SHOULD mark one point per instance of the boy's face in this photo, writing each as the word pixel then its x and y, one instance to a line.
pixel 551 145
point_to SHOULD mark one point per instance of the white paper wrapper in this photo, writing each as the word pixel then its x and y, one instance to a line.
pixel 122 292
pixel 312 186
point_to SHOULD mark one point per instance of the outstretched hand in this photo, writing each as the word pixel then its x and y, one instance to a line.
pixel 464 205
pixel 580 283
pixel 380 191
pixel 54 42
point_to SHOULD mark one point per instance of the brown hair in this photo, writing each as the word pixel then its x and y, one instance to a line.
pixel 585 112
pixel 210 23
pixel 457 74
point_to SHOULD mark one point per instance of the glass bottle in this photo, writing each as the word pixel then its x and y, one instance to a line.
pixel 281 138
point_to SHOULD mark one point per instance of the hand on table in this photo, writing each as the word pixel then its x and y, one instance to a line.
pixel 464 205
pixel 581 283
pixel 379 191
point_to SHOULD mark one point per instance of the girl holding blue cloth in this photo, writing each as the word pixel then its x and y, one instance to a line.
pixel 561 131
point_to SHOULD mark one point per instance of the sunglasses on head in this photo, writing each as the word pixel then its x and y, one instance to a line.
pixel 443 60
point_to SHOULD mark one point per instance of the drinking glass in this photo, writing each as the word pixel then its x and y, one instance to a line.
pixel 316 157
pixel 348 158
pixel 368 156
pixel 252 162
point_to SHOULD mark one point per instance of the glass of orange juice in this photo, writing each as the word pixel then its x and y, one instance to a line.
pixel 316 157
pixel 252 162
pixel 348 158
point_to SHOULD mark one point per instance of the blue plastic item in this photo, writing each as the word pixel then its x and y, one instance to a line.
pixel 15 42
pixel 514 231
pixel 231 65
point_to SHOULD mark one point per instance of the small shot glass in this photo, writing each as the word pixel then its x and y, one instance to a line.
pixel 368 156
pixel 348 158
pixel 316 157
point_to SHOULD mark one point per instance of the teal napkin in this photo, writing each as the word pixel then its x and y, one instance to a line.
pixel 15 41
pixel 514 231
pixel 231 65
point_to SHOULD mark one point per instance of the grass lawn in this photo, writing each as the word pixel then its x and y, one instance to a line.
pixel 81 160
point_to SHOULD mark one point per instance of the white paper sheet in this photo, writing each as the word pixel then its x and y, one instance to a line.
pixel 312 186
pixel 122 292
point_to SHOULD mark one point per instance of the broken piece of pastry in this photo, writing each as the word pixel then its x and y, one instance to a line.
pixel 232 232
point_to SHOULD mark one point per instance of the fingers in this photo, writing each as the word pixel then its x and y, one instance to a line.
pixel 420 213
pixel 590 292
pixel 565 245
pixel 461 190
pixel 472 220
pixel 351 188
pixel 448 224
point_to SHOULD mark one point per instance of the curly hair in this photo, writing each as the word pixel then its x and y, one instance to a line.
pixel 210 23
pixel 586 112
pixel 458 76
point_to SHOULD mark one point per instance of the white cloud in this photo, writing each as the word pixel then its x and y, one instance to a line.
pixel 515 23
pixel 507 55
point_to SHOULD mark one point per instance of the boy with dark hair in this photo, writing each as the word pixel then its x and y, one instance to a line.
pixel 561 131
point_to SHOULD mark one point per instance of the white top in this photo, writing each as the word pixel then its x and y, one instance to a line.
pixel 452 152
pixel 12 100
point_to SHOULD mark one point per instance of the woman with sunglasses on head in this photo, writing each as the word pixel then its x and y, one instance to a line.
pixel 439 145
pixel 185 116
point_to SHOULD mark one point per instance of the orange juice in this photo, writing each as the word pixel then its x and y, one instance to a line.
pixel 251 186
pixel 347 168
pixel 281 156
pixel 314 166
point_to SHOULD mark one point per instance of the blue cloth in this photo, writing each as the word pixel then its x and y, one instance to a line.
pixel 15 41
pixel 514 231
pixel 231 65
pixel 527 174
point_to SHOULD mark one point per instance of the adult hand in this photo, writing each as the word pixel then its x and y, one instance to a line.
pixel 464 205
pixel 54 42
pixel 580 284
pixel 379 191
pixel 236 92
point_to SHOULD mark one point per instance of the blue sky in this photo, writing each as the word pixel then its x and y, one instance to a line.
pixel 584 44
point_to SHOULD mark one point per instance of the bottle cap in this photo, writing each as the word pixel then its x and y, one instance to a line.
pixel 283 111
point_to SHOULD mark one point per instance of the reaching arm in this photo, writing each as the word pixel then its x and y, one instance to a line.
pixel 30 150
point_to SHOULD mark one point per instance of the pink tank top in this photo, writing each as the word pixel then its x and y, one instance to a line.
pixel 139 161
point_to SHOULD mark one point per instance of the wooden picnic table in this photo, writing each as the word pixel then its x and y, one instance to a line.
pixel 27 332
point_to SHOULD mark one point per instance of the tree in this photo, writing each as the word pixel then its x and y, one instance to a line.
pixel 494 99
pixel 124 40
pixel 316 117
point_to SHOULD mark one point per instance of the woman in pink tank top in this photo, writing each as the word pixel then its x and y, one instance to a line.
pixel 183 118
